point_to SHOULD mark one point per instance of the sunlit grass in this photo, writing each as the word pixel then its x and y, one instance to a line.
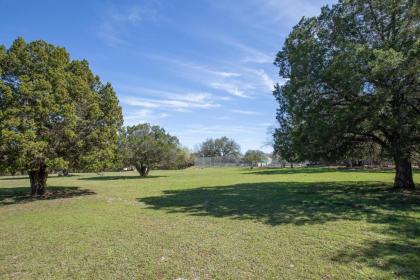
pixel 302 223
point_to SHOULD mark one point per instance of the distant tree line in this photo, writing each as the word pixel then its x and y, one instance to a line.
pixel 229 150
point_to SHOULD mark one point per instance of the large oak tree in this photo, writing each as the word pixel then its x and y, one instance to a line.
pixel 220 147
pixel 54 113
pixel 353 77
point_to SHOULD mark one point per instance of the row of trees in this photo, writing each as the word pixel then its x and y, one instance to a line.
pixel 228 148
pixel 55 114
pixel 352 85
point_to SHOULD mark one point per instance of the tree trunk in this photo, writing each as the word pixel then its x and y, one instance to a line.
pixel 404 174
pixel 291 165
pixel 38 179
pixel 144 171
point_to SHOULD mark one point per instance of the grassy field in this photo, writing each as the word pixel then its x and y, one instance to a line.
pixel 306 223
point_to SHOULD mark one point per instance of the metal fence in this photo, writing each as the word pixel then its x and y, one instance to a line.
pixel 217 162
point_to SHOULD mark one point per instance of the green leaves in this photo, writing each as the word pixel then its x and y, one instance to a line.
pixel 54 111
pixel 351 80
pixel 220 147
pixel 148 146
pixel 253 157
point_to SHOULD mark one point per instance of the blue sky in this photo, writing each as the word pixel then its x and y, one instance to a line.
pixel 198 68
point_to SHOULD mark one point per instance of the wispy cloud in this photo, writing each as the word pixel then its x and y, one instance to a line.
pixel 246 112
pixel 264 79
pixel 216 130
pixel 229 88
pixel 118 19
pixel 143 116
pixel 249 54
pixel 284 11
pixel 263 12
pixel 179 103
pixel 237 80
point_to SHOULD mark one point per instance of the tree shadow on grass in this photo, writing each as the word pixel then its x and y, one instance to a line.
pixel 311 170
pixel 22 194
pixel 117 177
pixel 11 178
pixel 316 203
pixel 26 177
pixel 299 203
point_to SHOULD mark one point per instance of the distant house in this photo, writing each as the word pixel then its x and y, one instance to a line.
pixel 265 162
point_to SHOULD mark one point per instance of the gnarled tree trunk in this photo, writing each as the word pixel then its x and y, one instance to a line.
pixel 404 174
pixel 38 179
pixel 142 170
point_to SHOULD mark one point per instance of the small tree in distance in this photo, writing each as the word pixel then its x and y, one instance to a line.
pixel 253 157
pixel 148 147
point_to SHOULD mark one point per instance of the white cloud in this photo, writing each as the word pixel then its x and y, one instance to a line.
pixel 229 88
pixel 179 103
pixel 265 80
pixel 143 116
pixel 216 130
pixel 193 66
pixel 249 54
pixel 281 10
pixel 245 112
pixel 133 15
pixel 116 20
pixel 239 80
pixel 230 82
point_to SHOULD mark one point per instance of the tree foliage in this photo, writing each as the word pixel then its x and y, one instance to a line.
pixel 352 77
pixel 220 147
pixel 148 147
pixel 54 112
pixel 253 157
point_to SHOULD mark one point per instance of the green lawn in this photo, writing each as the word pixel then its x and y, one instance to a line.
pixel 306 223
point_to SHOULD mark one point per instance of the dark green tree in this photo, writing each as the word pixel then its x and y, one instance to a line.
pixel 148 147
pixel 284 146
pixel 220 147
pixel 353 76
pixel 253 157
pixel 54 113
pixel 177 159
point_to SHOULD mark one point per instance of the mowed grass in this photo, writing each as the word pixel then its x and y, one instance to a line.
pixel 302 223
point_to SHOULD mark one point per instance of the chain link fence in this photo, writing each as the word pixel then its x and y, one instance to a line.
pixel 218 162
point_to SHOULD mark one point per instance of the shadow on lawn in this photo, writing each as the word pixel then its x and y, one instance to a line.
pixel 278 203
pixel 11 178
pixel 26 177
pixel 312 170
pixel 117 177
pixel 22 194
pixel 316 203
